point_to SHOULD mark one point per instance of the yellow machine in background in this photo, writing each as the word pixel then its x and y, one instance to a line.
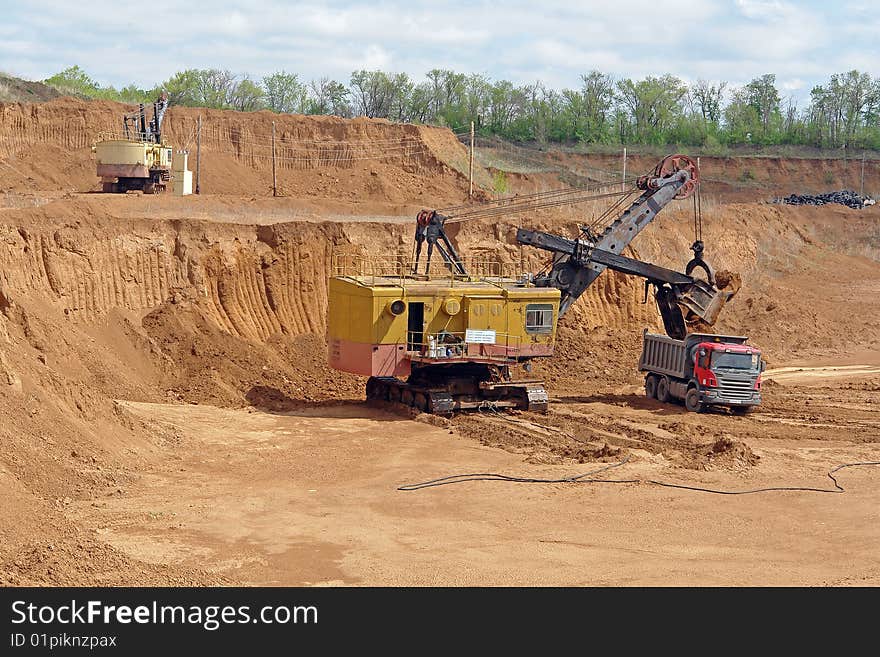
pixel 139 161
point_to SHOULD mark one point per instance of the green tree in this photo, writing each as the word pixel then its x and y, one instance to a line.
pixel 182 88
pixel 706 99
pixel 328 97
pixel 742 123
pixel 652 105
pixel 598 95
pixel 371 92
pixel 211 88
pixel 246 96
pixel 762 95
pixel 74 81
pixel 283 92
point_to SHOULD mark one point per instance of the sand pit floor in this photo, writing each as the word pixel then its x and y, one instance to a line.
pixel 310 497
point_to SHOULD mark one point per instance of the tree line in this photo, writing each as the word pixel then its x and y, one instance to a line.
pixel 844 111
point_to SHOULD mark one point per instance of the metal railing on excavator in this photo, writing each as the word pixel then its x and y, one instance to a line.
pixel 398 269
pixel 457 345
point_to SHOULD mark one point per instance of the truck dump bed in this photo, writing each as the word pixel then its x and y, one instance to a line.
pixel 664 355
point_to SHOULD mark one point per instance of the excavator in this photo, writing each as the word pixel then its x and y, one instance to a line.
pixel 141 160
pixel 442 344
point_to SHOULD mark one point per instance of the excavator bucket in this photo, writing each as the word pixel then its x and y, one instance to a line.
pixel 704 301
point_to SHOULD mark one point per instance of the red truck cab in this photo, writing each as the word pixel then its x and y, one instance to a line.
pixel 702 370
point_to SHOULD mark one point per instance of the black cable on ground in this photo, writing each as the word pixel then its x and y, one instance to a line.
pixel 492 476
pixel 582 479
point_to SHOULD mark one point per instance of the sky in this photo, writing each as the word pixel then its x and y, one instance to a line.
pixel 803 43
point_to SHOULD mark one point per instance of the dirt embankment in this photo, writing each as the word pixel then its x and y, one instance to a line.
pixel 750 178
pixel 254 283
pixel 728 179
pixel 14 89
pixel 47 147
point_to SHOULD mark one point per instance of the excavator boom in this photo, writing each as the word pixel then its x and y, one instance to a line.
pixel 580 261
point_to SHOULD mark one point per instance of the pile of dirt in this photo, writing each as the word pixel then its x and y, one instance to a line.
pixel 64 441
pixel 16 90
pixel 593 427
pixel 202 363
pixel 730 453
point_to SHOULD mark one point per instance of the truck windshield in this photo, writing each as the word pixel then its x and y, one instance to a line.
pixel 735 361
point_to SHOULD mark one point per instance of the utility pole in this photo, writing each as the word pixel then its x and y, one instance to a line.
pixel 274 177
pixel 471 165
pixel 623 178
pixel 862 183
pixel 199 157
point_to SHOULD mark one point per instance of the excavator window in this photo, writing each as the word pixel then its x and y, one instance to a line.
pixel 539 318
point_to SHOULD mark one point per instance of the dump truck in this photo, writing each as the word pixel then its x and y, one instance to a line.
pixel 702 370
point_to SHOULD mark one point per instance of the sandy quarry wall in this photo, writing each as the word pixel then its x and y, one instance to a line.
pixel 751 177
pixel 258 281
pixel 47 146
pixel 252 281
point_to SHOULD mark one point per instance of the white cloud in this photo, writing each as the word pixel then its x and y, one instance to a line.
pixel 553 41
pixel 763 9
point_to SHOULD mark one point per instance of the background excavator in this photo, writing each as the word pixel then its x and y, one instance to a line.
pixel 448 343
pixel 140 160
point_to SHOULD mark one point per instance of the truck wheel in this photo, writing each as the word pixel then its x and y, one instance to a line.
pixel 740 410
pixel 651 387
pixel 692 401
pixel 663 390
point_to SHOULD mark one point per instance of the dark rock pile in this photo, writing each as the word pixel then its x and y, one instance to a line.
pixel 845 197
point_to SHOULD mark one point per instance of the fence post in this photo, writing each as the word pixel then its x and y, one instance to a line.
pixel 274 177
pixel 199 157
pixel 471 165
pixel 862 181
pixel 623 179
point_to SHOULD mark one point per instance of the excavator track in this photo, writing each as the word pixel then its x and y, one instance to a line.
pixel 522 395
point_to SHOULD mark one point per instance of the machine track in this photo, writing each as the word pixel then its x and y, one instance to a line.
pixel 523 395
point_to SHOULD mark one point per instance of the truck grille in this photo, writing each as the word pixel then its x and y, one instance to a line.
pixel 735 388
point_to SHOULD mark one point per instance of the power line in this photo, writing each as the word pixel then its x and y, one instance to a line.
pixel 535 204
pixel 341 157
pixel 238 134
pixel 414 143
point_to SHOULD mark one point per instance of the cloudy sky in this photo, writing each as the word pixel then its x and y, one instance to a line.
pixel 554 42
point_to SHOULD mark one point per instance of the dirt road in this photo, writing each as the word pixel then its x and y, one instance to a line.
pixel 807 374
pixel 310 497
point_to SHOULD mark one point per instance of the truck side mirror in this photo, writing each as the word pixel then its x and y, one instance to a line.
pixel 763 364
